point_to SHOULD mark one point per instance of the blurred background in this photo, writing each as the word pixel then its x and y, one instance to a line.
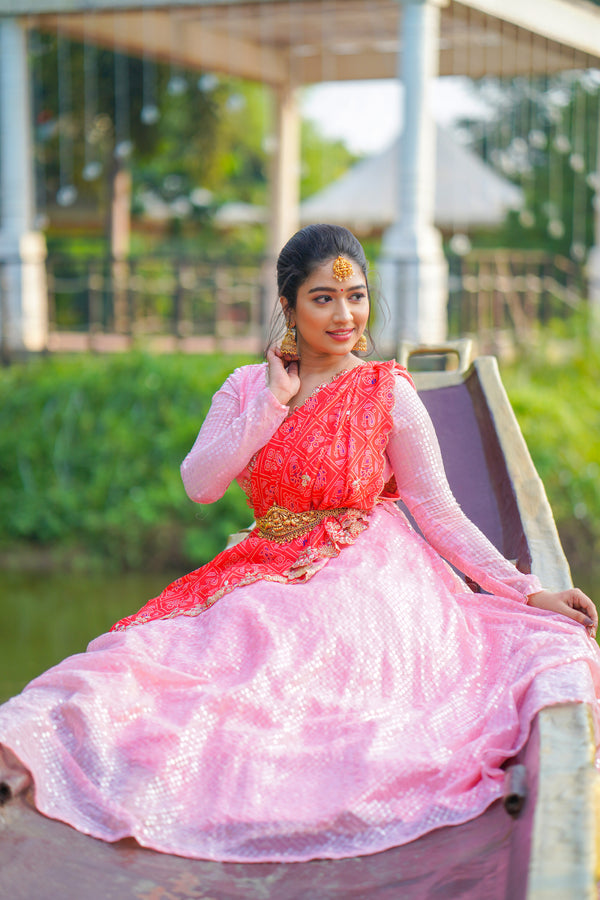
pixel 154 157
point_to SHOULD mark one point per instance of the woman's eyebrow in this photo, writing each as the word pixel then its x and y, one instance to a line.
pixel 354 287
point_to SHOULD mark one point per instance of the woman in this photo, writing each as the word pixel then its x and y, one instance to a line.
pixel 329 686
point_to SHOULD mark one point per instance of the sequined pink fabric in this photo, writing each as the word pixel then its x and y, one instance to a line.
pixel 336 717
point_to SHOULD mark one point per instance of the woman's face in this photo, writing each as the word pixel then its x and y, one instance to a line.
pixel 330 315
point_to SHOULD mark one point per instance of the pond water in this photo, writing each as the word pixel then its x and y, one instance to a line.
pixel 47 617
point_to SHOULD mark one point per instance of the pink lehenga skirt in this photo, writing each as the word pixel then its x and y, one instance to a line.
pixel 334 718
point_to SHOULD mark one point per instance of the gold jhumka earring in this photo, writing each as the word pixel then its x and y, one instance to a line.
pixel 289 348
pixel 361 344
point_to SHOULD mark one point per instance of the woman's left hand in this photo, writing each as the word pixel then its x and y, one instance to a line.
pixel 572 603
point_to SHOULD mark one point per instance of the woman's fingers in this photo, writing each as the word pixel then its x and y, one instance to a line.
pixel 582 610
pixel 572 603
pixel 273 353
pixel 580 601
pixel 283 382
pixel 579 615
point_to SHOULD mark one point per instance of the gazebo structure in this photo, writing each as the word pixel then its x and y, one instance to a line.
pixel 287 44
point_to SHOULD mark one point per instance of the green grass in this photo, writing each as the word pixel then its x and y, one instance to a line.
pixel 554 393
pixel 90 449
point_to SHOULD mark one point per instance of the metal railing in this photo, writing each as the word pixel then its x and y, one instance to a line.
pixel 169 301
pixel 511 293
pixel 180 303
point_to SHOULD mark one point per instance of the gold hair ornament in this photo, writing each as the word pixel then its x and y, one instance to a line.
pixel 342 269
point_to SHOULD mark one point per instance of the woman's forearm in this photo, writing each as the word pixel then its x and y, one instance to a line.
pixel 415 456
pixel 228 439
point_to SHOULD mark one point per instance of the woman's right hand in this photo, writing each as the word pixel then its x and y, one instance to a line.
pixel 284 382
pixel 572 603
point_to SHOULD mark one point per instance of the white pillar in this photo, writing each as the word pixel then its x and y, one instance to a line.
pixel 23 296
pixel 284 209
pixel 413 268
pixel 285 201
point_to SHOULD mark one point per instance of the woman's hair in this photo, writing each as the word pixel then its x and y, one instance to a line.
pixel 310 247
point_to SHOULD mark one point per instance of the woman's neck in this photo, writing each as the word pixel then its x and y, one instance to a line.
pixel 320 367
pixel 316 371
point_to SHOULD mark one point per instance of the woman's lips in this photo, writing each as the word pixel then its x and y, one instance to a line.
pixel 341 335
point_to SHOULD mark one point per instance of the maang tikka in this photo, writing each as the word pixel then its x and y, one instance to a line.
pixel 342 268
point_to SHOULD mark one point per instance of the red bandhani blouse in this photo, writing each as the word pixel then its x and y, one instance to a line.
pixel 327 457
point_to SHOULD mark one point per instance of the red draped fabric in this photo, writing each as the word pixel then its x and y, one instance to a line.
pixel 328 454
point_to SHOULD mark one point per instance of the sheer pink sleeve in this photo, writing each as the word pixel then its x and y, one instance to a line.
pixel 415 456
pixel 243 415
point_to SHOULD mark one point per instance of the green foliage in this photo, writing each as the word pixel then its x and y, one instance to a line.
pixel 543 134
pixel 211 138
pixel 178 141
pixel 323 161
pixel 555 397
pixel 205 144
pixel 89 461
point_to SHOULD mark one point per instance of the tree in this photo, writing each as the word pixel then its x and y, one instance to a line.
pixel 542 134
pixel 83 134
pixel 191 142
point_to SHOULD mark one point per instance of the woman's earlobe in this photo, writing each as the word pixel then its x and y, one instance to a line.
pixel 288 313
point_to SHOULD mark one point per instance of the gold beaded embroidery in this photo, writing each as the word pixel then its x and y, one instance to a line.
pixel 282 525
pixel 342 269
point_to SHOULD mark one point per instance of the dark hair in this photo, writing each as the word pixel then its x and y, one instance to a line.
pixel 310 247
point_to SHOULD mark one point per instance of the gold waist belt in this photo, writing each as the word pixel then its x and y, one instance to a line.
pixel 281 525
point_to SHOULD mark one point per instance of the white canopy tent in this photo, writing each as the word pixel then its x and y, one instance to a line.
pixel 286 44
pixel 468 192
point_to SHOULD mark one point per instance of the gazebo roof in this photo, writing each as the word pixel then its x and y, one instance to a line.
pixel 307 41
pixel 469 193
